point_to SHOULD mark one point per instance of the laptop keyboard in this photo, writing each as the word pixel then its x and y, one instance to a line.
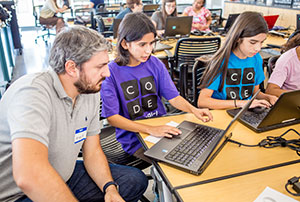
pixel 193 145
pixel 252 117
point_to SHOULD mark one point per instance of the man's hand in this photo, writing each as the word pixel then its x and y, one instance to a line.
pixel 112 195
pixel 203 114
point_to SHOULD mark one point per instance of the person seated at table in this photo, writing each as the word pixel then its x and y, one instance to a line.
pixel 137 84
pixel 201 15
pixel 48 15
pixel 132 7
pixel 168 8
pixel 286 74
pixel 235 71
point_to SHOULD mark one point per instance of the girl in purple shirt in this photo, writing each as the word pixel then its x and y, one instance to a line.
pixel 137 84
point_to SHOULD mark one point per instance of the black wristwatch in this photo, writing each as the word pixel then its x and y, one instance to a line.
pixel 108 184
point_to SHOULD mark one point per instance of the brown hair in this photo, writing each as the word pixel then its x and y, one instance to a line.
pixel 132 28
pixel 164 13
pixel 292 42
pixel 248 24
pixel 130 3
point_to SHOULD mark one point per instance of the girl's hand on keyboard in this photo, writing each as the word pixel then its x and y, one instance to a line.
pixel 164 131
pixel 260 103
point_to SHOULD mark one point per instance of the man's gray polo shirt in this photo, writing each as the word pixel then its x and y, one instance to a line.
pixel 36 106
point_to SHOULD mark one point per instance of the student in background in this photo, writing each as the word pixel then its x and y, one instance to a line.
pixel 286 74
pixel 48 14
pixel 168 8
pixel 235 71
pixel 132 7
pixel 94 3
pixel 201 15
pixel 137 84
pixel 48 117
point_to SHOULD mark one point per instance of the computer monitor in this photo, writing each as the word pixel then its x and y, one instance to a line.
pixel 178 26
pixel 298 22
pixel 271 20
pixel 116 27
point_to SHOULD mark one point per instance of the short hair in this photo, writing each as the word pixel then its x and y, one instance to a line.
pixel 77 43
pixel 130 3
pixel 132 28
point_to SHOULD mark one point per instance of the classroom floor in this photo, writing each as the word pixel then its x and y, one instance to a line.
pixel 34 59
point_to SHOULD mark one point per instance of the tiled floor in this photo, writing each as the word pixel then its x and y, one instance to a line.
pixel 35 59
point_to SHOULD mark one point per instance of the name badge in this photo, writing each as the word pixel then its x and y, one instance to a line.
pixel 80 135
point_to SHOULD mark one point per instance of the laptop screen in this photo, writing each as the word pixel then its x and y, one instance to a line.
pixel 231 19
pixel 178 26
pixel 271 20
pixel 298 21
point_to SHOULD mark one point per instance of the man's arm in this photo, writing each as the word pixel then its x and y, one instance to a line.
pixel 97 167
pixel 34 175
pixel 274 89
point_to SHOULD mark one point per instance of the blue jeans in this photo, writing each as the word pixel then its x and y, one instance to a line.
pixel 132 184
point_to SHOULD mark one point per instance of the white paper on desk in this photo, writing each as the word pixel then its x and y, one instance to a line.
pixel 153 139
pixel 271 195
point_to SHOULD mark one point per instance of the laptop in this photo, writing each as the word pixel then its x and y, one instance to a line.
pixel 285 112
pixel 196 147
pixel 231 19
pixel 158 46
pixel 150 7
pixel 298 22
pixel 178 26
pixel 271 20
pixel 116 24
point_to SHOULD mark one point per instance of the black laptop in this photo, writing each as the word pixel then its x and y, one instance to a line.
pixel 285 112
pixel 298 22
pixel 231 19
pixel 196 147
pixel 178 26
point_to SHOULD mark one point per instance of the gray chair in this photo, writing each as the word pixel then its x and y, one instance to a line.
pixel 186 51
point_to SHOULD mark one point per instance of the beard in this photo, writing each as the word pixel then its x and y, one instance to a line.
pixel 83 87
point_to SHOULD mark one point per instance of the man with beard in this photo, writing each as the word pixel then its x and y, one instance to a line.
pixel 46 118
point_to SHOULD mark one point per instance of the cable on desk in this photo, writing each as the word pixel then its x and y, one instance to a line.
pixel 294 181
pixel 272 141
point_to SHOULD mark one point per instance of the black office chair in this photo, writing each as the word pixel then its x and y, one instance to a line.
pixel 82 16
pixel 217 18
pixel 116 155
pixel 100 26
pixel 271 64
pixel 45 33
pixel 186 51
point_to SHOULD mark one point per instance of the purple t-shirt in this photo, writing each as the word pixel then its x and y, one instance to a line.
pixel 135 93
pixel 286 73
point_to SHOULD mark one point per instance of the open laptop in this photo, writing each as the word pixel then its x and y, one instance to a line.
pixel 196 147
pixel 285 112
pixel 178 26
pixel 150 7
pixel 298 22
pixel 116 24
pixel 158 46
pixel 271 20
pixel 230 20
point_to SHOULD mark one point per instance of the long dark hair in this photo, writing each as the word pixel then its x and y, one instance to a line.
pixel 248 24
pixel 132 28
pixel 293 41
pixel 164 13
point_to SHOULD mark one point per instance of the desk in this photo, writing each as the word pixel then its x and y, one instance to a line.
pixel 232 159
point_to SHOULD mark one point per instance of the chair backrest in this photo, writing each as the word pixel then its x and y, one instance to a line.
pixel 271 64
pixel 186 51
pixel 100 23
pixel 197 73
pixel 217 19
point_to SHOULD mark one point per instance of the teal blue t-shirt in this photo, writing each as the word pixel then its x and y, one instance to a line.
pixel 242 76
